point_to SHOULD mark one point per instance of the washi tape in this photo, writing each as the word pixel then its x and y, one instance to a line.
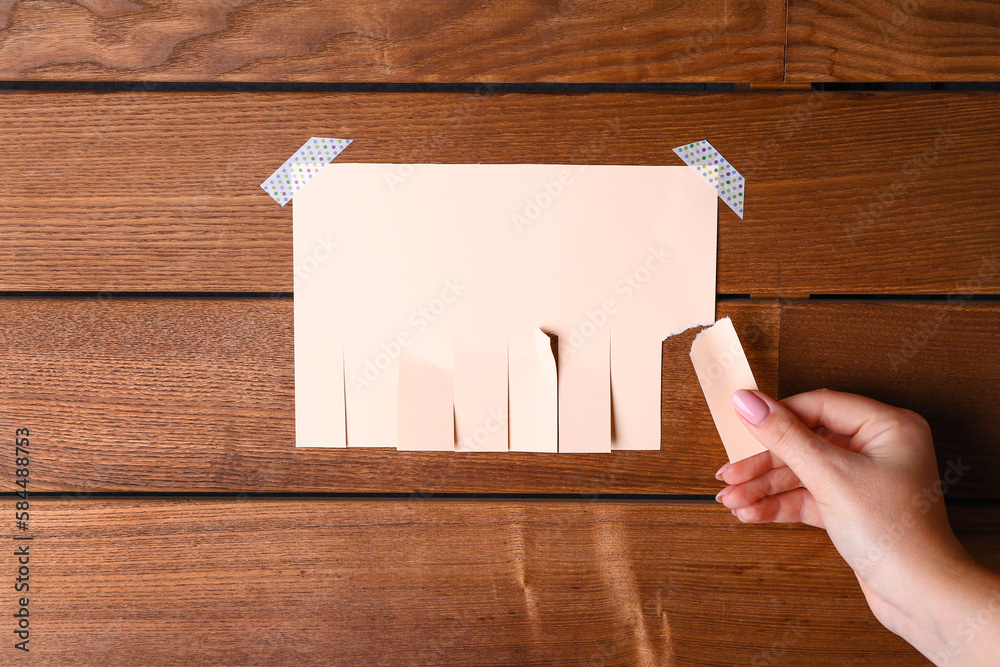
pixel 302 166
pixel 716 171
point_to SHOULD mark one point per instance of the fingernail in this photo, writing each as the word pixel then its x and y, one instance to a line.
pixel 751 406
pixel 735 514
pixel 721 471
pixel 720 494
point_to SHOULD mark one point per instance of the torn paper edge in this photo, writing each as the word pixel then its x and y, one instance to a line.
pixel 687 327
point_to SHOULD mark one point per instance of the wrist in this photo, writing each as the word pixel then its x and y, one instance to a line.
pixel 934 605
pixel 901 576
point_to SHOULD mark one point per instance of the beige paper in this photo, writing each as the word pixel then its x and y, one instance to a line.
pixel 585 394
pixel 722 368
pixel 531 367
pixel 451 262
pixel 480 393
pixel 426 415
pixel 319 398
pixel 636 364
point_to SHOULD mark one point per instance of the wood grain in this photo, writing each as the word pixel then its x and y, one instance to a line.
pixel 847 193
pixel 129 394
pixel 391 40
pixel 309 581
pixel 197 395
pixel 940 359
pixel 899 40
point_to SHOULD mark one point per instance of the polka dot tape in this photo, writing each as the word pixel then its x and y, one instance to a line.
pixel 716 171
pixel 301 167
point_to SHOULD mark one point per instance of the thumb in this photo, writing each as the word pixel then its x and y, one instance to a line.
pixel 783 434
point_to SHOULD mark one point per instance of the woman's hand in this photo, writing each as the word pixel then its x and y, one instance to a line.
pixel 866 472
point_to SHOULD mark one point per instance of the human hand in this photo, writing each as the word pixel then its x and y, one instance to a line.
pixel 866 472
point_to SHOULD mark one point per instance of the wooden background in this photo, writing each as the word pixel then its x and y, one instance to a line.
pixel 146 322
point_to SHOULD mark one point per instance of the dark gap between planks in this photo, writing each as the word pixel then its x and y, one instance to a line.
pixel 479 88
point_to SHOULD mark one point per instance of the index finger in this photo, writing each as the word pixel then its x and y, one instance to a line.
pixel 751 467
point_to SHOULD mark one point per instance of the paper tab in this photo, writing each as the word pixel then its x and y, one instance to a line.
pixel 584 375
pixel 722 368
pixel 319 390
pixel 716 171
pixel 300 168
pixel 480 393
pixel 426 407
pixel 371 387
pixel 533 393
pixel 636 388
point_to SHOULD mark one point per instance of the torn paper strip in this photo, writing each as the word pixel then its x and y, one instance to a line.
pixel 722 368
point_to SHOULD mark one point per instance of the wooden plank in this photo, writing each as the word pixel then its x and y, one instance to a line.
pixel 940 359
pixel 390 40
pixel 307 581
pixel 900 40
pixel 196 395
pixel 847 193
pixel 131 394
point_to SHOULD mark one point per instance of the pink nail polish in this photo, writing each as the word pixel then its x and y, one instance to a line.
pixel 721 471
pixel 751 406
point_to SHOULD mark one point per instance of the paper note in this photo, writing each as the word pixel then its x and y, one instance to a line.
pixel 722 368
pixel 458 273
